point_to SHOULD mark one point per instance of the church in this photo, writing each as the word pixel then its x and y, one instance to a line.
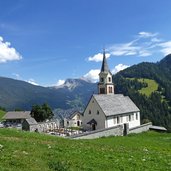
pixel 107 109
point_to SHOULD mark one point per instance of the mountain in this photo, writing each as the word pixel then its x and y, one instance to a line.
pixel 15 94
pixel 135 81
pixel 156 106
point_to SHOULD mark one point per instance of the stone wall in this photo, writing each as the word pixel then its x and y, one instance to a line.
pixel 141 128
pixel 118 130
pixel 112 131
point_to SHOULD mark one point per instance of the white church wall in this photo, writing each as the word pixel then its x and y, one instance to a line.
pixel 132 118
pixel 93 111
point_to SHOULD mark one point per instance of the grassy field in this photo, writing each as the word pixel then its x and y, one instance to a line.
pixel 152 86
pixel 2 113
pixel 23 151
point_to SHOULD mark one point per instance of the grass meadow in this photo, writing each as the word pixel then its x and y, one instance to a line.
pixel 25 151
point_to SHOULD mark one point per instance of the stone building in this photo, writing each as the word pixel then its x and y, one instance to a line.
pixel 75 120
pixel 30 125
pixel 106 109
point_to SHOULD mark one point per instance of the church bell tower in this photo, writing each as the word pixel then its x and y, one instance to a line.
pixel 105 85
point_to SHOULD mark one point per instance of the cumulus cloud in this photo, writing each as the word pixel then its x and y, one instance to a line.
pixel 119 67
pixel 92 75
pixel 8 53
pixel 98 57
pixel 60 82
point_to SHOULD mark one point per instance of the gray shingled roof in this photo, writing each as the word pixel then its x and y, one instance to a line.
pixel 17 115
pixel 115 104
pixel 31 121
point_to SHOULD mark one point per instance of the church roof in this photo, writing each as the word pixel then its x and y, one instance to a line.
pixel 104 67
pixel 115 104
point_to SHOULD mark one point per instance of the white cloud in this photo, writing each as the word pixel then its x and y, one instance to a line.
pixel 156 39
pixel 92 75
pixel 144 53
pixel 8 53
pixel 125 49
pixel 32 81
pixel 60 82
pixel 165 47
pixel 119 67
pixel 98 57
pixel 144 34
pixel 145 44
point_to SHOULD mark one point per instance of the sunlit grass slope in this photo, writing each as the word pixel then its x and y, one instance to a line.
pixel 23 151
pixel 152 86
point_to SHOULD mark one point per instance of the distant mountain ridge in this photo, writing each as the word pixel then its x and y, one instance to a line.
pixel 19 94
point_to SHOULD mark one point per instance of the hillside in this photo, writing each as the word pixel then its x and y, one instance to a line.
pixel 2 113
pixel 153 96
pixel 31 151
pixel 22 95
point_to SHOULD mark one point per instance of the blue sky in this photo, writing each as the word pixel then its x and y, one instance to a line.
pixel 46 42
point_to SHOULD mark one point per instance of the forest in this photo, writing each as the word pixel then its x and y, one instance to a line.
pixel 157 106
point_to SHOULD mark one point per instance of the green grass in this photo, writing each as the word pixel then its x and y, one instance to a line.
pixel 152 86
pixel 23 151
pixel 2 113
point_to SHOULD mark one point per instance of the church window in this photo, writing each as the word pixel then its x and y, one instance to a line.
pixel 132 117
pixel 118 120
pixel 121 119
pixel 136 116
pixel 129 117
pixel 97 112
pixel 114 120
pixel 110 89
pixel 89 112
pixel 102 79
pixel 109 79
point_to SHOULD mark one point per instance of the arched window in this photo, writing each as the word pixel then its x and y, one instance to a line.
pixel 110 89
pixel 109 79
pixel 89 112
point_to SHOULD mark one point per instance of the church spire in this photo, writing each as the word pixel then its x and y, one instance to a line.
pixel 104 67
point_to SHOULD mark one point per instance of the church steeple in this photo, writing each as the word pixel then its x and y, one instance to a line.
pixel 104 67
pixel 105 85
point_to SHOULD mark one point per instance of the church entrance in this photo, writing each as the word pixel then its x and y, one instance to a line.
pixel 93 127
pixel 92 124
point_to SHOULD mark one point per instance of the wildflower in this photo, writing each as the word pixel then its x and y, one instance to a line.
pixel 1 146
pixel 24 152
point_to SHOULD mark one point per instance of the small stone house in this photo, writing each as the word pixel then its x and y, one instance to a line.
pixel 75 120
pixel 106 109
pixel 30 125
